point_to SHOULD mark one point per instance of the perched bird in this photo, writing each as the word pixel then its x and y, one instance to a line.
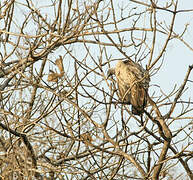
pixel 133 83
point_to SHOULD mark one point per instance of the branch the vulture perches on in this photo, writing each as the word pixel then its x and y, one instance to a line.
pixel 133 83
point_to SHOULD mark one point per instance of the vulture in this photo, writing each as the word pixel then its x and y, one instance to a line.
pixel 133 83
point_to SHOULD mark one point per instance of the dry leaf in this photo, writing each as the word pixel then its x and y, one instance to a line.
pixel 60 66
pixel 52 76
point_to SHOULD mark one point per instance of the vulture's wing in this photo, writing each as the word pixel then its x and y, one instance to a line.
pixel 124 92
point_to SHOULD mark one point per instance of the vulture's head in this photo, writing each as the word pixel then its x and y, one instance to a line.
pixel 110 72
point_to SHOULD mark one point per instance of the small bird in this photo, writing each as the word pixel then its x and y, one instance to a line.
pixel 133 83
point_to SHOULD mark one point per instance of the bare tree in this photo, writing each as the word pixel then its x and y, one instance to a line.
pixel 61 117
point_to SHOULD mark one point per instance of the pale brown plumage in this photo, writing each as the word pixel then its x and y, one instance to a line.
pixel 133 83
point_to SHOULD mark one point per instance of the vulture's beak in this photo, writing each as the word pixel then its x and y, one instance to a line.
pixel 110 72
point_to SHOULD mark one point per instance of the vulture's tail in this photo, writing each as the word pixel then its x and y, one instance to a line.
pixel 137 111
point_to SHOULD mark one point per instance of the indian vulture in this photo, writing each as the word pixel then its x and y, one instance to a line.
pixel 133 83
